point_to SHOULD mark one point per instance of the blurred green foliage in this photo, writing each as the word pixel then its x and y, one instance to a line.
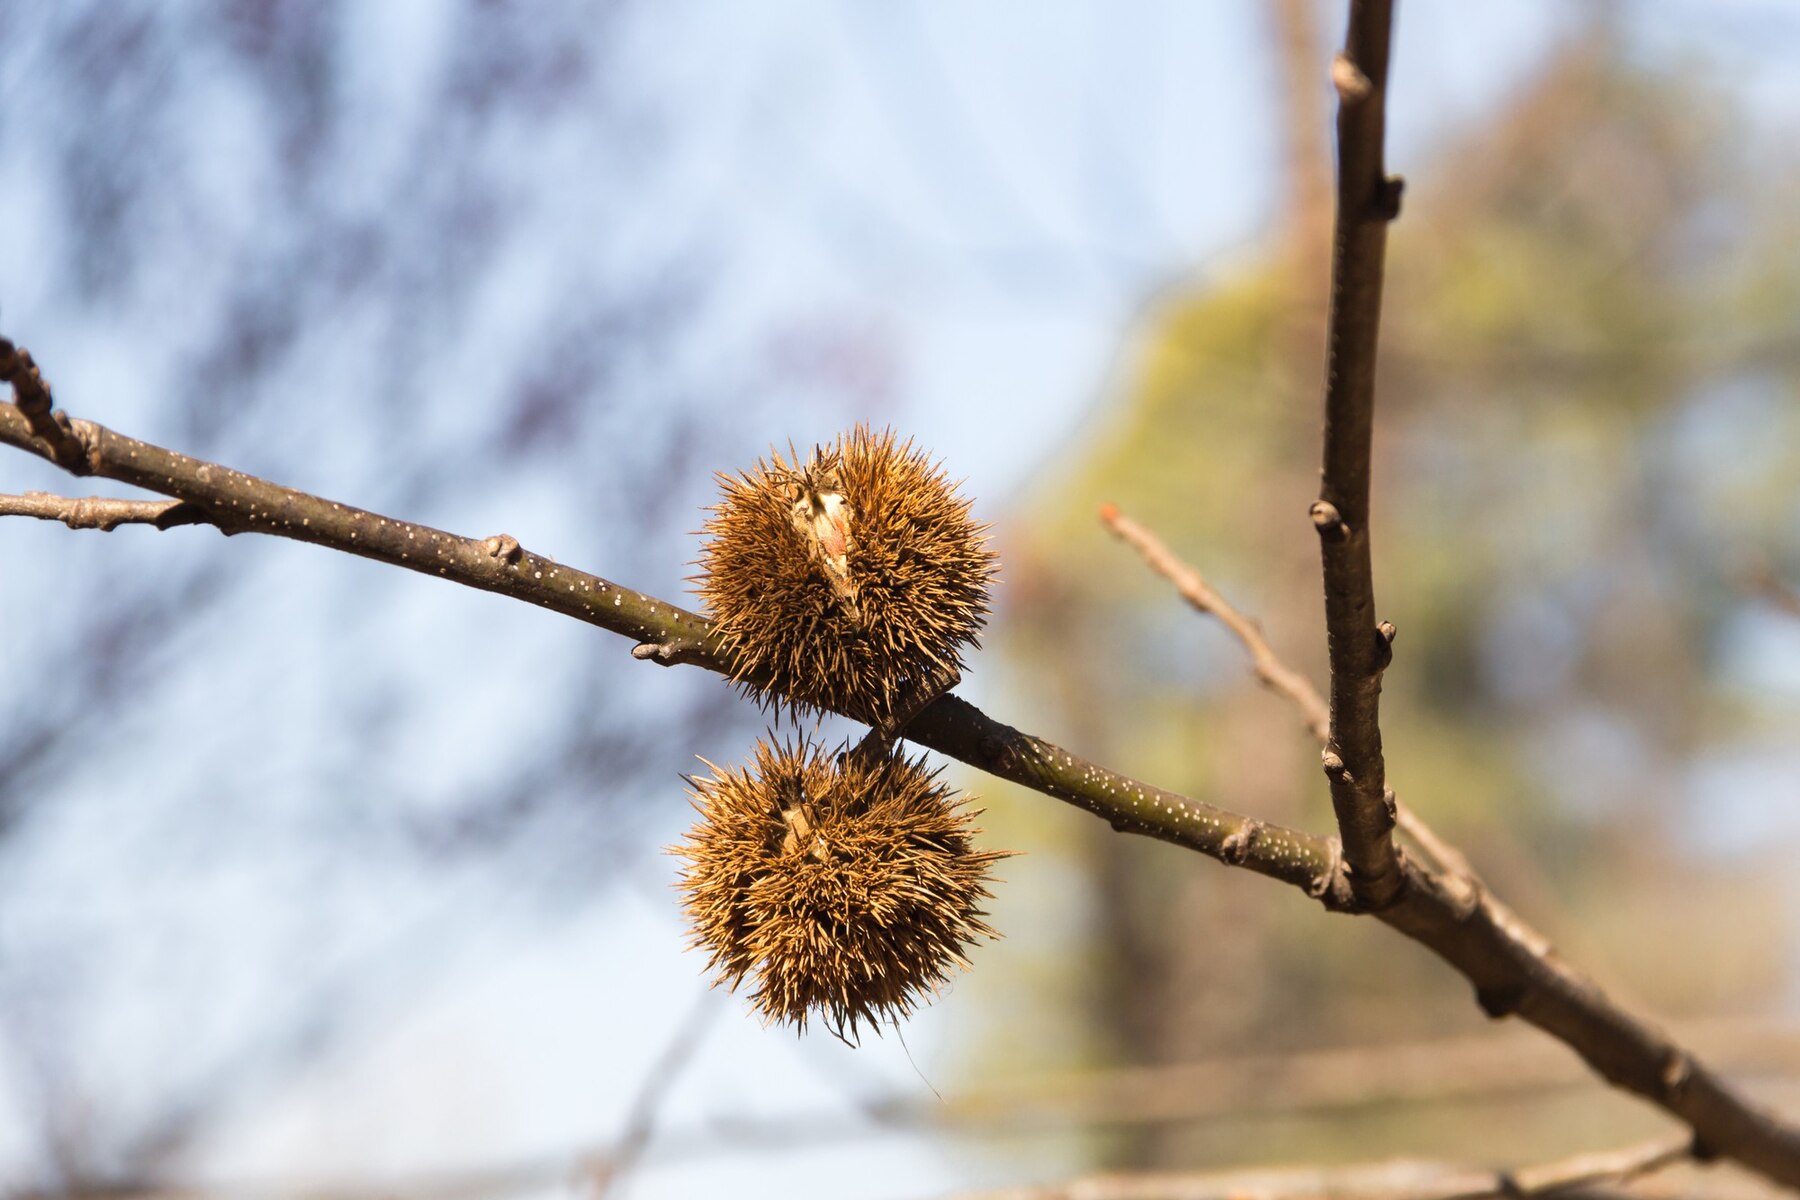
pixel 1586 429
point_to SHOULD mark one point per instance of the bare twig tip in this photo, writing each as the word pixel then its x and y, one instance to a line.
pixel 1109 512
pixel 503 546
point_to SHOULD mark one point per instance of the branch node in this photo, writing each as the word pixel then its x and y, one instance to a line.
pixel 1515 968
pixel 1331 886
pixel 1236 848
pixel 1676 1072
pixel 1353 87
pixel 661 653
pixel 1387 197
pixel 1334 766
pixel 83 444
pixel 1328 521
pixel 1500 1002
pixel 90 512
pixel 505 547
pixel 188 513
pixel 1702 1151
pixel 1384 645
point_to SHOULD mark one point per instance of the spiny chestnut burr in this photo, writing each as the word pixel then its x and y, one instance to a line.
pixel 844 887
pixel 844 581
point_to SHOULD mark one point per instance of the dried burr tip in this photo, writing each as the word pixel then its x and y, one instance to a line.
pixel 843 887
pixel 841 581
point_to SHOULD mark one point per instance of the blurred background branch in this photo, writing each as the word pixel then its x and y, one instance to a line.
pixel 1377 1181
pixel 1473 1075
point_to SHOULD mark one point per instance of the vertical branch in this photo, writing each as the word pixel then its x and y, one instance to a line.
pixel 1359 649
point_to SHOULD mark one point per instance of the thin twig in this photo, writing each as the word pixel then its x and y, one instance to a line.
pixel 1275 674
pixel 499 564
pixel 1358 647
pixel 1512 968
pixel 640 1121
pixel 101 512
pixel 1269 668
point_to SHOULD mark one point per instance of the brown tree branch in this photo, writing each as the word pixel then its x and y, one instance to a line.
pixel 668 634
pixel 1512 969
pixel 1359 648
pixel 1638 1057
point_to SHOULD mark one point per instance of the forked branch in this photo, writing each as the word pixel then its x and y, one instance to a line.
pixel 1511 968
